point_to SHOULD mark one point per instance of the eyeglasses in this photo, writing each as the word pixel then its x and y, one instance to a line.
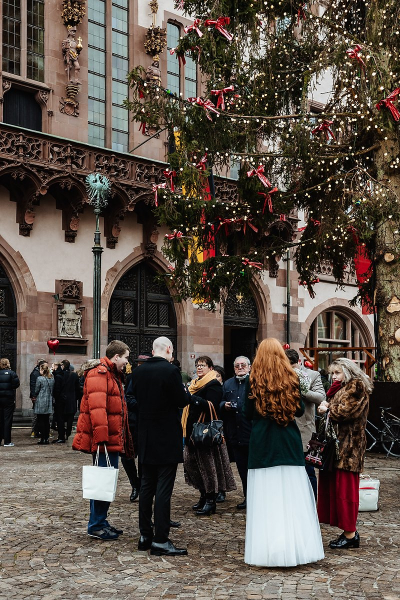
pixel 201 366
pixel 241 365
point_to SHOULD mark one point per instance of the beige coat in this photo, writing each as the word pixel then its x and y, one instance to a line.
pixel 349 410
pixel 306 423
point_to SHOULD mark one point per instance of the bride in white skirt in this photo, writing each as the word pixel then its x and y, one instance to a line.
pixel 282 528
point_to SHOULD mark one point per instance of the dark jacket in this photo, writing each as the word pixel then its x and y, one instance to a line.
pixel 159 392
pixel 32 381
pixel 349 410
pixel 271 444
pixel 237 428
pixel 211 392
pixel 67 390
pixel 9 382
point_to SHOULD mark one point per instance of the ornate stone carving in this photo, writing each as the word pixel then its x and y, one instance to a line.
pixel 112 166
pixel 70 290
pixel 73 11
pixel 71 48
pixel 69 321
pixel 273 267
pixel 6 85
pixel 69 105
pixel 67 155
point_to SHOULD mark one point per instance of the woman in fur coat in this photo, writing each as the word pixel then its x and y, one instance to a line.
pixel 338 490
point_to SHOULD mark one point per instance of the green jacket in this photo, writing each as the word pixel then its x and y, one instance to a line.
pixel 272 445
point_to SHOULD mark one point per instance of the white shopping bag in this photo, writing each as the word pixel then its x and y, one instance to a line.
pixel 369 493
pixel 99 483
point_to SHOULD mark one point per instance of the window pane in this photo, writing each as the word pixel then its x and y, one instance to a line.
pixel 97 35
pixel 120 68
pixel 120 118
pixel 35 40
pixel 120 44
pixel 340 328
pixel 96 86
pixel 323 325
pixel 173 68
pixel 119 92
pixel 119 19
pixel 11 47
pixel 96 112
pixel 97 11
pixel 96 135
pixel 119 141
pixel 96 61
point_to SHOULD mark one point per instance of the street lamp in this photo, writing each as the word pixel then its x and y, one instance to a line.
pixel 98 189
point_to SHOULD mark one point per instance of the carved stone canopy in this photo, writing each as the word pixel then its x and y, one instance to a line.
pixel 70 290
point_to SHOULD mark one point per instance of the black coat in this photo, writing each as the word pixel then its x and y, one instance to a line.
pixel 159 392
pixel 237 428
pixel 9 382
pixel 211 392
pixel 32 381
pixel 67 391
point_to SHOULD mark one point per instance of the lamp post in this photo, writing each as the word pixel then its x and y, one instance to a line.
pixel 98 188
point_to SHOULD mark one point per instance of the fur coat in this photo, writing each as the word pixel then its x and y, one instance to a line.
pixel 348 409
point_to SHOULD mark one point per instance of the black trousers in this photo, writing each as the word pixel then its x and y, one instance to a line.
pixel 43 425
pixel 62 417
pixel 130 469
pixel 157 484
pixel 241 454
pixel 6 418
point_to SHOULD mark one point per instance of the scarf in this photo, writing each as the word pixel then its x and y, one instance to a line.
pixel 194 387
pixel 335 387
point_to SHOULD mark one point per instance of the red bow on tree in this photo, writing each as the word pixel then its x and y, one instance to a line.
pixel 244 222
pixel 174 236
pixel 170 175
pixel 220 94
pixel 195 26
pixel 301 14
pixel 206 104
pixel 325 126
pixel 141 91
pixel 219 26
pixel 180 5
pixel 388 103
pixel 156 187
pixel 354 53
pixel 268 199
pixel 201 165
pixel 260 174
pixel 180 55
pixel 248 263
pixel 142 127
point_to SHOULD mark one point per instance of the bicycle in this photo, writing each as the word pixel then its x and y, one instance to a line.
pixel 388 437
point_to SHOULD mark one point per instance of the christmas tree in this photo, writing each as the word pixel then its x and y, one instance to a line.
pixel 260 62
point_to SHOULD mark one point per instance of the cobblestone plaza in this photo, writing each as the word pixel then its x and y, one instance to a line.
pixel 45 552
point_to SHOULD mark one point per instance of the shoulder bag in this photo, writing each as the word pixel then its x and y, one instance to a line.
pixel 323 448
pixel 208 434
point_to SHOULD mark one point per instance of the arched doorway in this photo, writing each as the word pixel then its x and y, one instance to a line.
pixel 8 320
pixel 240 329
pixel 141 310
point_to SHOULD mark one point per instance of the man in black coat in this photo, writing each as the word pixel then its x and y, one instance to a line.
pixel 159 392
pixel 66 392
pixel 237 428
pixel 9 382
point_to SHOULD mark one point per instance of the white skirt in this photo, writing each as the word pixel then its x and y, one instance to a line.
pixel 282 528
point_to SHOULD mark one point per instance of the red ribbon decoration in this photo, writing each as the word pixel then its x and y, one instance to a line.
pixel 180 5
pixel 170 175
pixel 316 222
pixel 248 263
pixel 174 236
pixel 388 103
pixel 282 217
pixel 301 14
pixel 180 55
pixel 206 104
pixel 354 53
pixel 219 26
pixel 141 92
pixel 260 174
pixel 196 25
pixel 156 187
pixel 220 94
pixel 201 165
pixel 268 199
pixel 142 127
pixel 325 127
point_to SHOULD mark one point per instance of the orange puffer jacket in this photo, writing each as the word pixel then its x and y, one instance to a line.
pixel 103 413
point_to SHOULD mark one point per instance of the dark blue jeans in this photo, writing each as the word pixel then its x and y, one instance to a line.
pixel 98 508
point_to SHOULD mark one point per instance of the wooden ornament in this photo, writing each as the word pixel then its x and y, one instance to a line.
pixel 388 257
pixel 394 305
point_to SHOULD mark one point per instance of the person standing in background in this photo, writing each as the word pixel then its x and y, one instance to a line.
pixel 67 392
pixel 43 406
pixel 9 382
pixel 32 386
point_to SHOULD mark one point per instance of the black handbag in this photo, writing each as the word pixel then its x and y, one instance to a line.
pixel 208 434
pixel 323 448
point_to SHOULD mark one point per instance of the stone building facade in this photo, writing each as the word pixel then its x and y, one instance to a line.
pixel 62 86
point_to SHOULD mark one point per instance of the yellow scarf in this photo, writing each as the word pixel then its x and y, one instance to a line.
pixel 194 387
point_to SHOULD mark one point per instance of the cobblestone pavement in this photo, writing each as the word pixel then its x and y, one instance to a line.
pixel 45 552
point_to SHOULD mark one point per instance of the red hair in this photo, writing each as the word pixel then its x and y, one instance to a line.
pixel 273 383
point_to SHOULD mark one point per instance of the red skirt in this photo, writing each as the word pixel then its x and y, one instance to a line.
pixel 338 498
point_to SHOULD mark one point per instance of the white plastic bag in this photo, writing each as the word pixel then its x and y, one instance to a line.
pixel 99 483
pixel 369 493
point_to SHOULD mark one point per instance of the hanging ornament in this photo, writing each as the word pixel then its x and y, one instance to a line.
pixel 219 26
pixel 325 127
pixel 170 175
pixel 180 56
pixel 220 94
pixel 259 172
pixel 388 103
pixel 195 26
pixel 268 199
pixel 156 187
pixel 286 346
pixel 206 104
pixel 202 164
pixel 53 344
pixel 301 13
pixel 249 263
pixel 354 53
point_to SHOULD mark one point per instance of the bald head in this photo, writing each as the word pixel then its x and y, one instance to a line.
pixel 163 347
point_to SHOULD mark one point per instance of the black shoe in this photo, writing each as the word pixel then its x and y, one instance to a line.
pixel 134 494
pixel 341 536
pixel 167 549
pixel 58 442
pixel 344 542
pixel 144 543
pixel 115 530
pixel 209 508
pixel 220 497
pixel 104 534
pixel 174 524
pixel 41 442
pixel 242 505
pixel 201 502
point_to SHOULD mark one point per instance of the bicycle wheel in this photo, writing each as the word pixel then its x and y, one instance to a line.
pixel 391 439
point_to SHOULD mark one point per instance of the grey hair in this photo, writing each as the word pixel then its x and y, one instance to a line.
pixel 160 345
pixel 352 371
pixel 245 358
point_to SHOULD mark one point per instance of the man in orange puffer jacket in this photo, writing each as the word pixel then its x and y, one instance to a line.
pixel 103 421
